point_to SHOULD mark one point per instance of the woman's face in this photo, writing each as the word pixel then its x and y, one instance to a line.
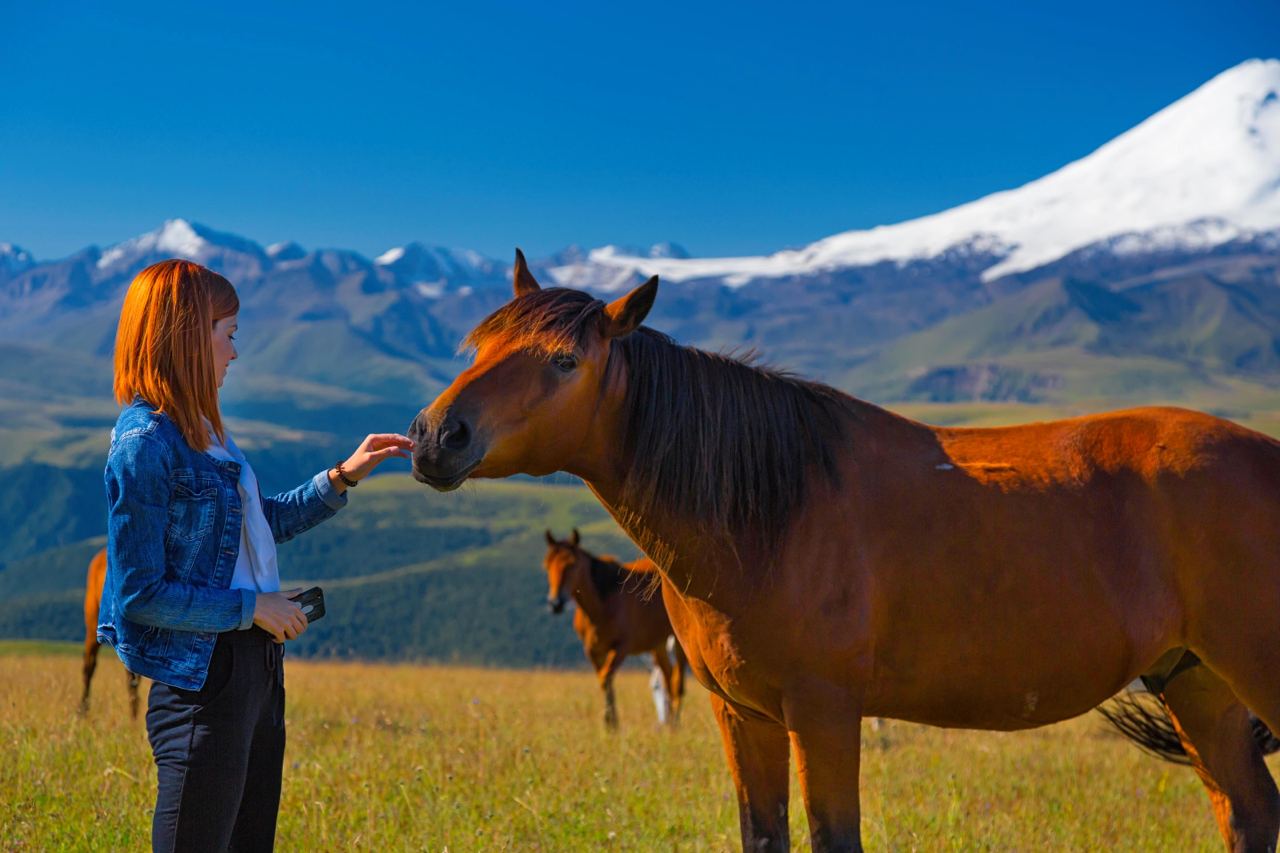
pixel 224 345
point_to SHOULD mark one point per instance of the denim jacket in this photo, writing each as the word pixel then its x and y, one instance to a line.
pixel 173 535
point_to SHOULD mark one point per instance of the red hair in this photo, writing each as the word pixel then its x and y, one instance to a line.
pixel 164 344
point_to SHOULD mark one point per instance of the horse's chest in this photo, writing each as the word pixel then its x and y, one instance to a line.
pixel 721 654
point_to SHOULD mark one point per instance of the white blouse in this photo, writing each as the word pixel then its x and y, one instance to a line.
pixel 256 566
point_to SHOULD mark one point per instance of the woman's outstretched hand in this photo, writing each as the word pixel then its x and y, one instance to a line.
pixel 280 617
pixel 374 450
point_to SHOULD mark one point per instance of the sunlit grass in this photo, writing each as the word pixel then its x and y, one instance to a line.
pixel 392 757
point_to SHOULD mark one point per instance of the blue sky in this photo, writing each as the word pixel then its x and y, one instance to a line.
pixel 729 128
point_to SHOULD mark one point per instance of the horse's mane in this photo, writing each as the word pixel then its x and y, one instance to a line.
pixel 713 438
pixel 607 576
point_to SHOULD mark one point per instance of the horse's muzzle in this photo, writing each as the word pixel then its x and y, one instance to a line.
pixel 555 605
pixel 445 452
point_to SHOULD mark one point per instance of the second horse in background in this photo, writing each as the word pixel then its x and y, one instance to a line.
pixel 617 615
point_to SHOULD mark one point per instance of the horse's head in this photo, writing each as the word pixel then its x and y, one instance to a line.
pixel 565 564
pixel 528 402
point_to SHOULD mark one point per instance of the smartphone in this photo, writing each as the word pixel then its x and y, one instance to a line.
pixel 312 603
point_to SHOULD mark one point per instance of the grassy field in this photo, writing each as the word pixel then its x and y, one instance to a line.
pixel 407 757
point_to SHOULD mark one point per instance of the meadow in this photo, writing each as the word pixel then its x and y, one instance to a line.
pixel 424 757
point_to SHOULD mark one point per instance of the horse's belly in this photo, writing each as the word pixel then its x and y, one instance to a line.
pixel 1026 704
pixel 1018 677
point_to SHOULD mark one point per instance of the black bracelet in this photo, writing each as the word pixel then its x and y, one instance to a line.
pixel 342 475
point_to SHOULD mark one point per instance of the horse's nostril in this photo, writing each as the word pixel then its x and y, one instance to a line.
pixel 454 434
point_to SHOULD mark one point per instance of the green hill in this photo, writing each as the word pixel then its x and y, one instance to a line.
pixel 408 573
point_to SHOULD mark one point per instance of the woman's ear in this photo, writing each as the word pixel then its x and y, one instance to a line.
pixel 623 316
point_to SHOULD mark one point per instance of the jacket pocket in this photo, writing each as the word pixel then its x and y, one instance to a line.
pixel 192 505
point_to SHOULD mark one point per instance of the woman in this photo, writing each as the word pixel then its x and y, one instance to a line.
pixel 192 598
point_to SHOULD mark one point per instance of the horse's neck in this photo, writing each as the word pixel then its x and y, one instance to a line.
pixel 586 596
pixel 683 555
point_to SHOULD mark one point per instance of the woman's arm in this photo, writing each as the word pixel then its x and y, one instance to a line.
pixel 291 513
pixel 297 511
pixel 137 483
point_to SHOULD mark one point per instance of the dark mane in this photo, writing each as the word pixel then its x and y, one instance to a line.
pixel 713 437
pixel 723 440
pixel 607 576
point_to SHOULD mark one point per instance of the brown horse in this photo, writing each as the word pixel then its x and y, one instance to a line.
pixel 823 559
pixel 617 615
pixel 97 576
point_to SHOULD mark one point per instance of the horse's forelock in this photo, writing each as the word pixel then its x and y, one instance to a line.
pixel 546 322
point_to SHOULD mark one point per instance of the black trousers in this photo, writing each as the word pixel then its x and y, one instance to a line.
pixel 219 750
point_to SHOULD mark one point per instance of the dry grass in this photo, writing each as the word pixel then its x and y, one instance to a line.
pixel 431 758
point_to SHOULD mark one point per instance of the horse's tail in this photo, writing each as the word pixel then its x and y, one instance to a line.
pixel 1143 719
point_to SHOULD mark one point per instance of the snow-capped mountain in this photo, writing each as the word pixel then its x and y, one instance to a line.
pixel 1165 243
pixel 286 251
pixel 1201 172
pixel 227 253
pixel 433 270
pixel 14 260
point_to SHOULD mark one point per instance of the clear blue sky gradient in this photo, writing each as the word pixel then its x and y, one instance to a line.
pixel 729 128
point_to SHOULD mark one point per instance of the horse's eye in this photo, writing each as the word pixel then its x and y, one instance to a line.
pixel 565 361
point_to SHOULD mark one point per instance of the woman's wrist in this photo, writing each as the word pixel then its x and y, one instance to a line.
pixel 345 476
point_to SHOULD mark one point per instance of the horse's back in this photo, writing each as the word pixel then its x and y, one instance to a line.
pixel 992 545
pixel 1146 441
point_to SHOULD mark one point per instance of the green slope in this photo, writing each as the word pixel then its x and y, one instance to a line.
pixel 409 573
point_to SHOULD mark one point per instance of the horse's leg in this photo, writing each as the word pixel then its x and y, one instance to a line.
pixel 828 740
pixel 612 661
pixel 677 677
pixel 1217 734
pixel 132 681
pixel 757 751
pixel 663 663
pixel 89 664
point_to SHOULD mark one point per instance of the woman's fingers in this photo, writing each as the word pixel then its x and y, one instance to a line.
pixel 278 616
pixel 375 448
pixel 380 440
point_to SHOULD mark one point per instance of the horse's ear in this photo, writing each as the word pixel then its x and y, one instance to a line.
pixel 522 279
pixel 575 539
pixel 623 316
pixel 551 540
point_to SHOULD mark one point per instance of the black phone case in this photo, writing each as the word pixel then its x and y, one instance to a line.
pixel 314 599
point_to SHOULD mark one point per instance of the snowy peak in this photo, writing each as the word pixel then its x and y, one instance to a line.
pixel 178 238
pixel 434 270
pixel 1213 156
pixel 14 260
pixel 1200 173
pixel 286 251
pixel 668 249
